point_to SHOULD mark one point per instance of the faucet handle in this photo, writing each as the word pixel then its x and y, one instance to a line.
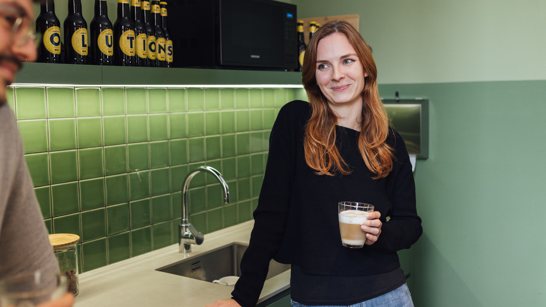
pixel 199 237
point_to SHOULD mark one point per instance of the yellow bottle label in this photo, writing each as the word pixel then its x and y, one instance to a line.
pixel 52 40
pixel 141 45
pixel 79 41
pixel 123 1
pixel 106 42
pixel 163 2
pixel 145 5
pixel 152 48
pixel 161 54
pixel 135 3
pixel 156 9
pixel 163 11
pixel 127 42
pixel 169 46
pixel 302 55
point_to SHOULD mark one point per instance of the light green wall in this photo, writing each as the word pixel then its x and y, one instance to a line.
pixel 428 41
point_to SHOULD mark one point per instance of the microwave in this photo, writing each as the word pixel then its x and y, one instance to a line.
pixel 238 34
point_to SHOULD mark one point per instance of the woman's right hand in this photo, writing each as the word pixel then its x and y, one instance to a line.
pixel 224 303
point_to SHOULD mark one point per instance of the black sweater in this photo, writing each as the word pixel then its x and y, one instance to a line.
pixel 296 220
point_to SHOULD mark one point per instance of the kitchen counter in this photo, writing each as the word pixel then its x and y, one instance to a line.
pixel 135 281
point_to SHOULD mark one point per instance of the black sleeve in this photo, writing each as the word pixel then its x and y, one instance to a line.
pixel 404 227
pixel 271 214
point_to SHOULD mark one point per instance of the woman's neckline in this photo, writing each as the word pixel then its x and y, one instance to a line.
pixel 347 128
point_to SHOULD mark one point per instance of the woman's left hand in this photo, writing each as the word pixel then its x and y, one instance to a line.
pixel 372 227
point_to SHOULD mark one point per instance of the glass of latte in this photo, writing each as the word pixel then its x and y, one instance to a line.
pixel 351 215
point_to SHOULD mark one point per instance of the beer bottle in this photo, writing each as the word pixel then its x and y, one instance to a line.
pixel 75 34
pixel 160 53
pixel 124 36
pixel 47 23
pixel 140 33
pixel 168 40
pixel 312 29
pixel 150 38
pixel 301 45
pixel 102 36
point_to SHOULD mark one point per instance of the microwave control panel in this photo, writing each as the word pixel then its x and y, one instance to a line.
pixel 290 39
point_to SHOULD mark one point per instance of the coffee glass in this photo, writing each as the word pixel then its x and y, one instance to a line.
pixel 351 215
pixel 32 289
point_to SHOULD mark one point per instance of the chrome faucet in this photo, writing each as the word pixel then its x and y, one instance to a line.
pixel 187 234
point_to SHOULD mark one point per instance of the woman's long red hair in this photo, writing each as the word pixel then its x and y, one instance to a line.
pixel 321 153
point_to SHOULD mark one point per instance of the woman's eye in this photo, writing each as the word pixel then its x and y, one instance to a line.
pixel 347 61
pixel 321 66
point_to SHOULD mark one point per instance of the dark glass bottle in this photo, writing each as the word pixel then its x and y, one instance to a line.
pixel 102 36
pixel 312 29
pixel 168 40
pixel 140 33
pixel 151 47
pixel 301 45
pixel 75 34
pixel 47 23
pixel 160 53
pixel 124 36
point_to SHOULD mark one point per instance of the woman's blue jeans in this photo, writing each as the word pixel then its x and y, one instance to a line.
pixel 399 297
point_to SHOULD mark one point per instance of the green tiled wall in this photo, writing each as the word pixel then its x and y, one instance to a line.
pixel 108 164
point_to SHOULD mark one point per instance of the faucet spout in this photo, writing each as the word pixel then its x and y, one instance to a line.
pixel 187 233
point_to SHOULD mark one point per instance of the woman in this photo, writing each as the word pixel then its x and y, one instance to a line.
pixel 336 148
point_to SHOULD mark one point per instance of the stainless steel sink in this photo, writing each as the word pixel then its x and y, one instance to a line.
pixel 217 263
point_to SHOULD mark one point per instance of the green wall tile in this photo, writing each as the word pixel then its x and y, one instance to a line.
pixel 197 150
pixel 65 198
pixel 160 181
pixel 44 200
pixel 158 127
pixel 114 130
pixel 177 124
pixel 116 190
pixel 31 103
pixel 197 200
pixel 229 169
pixel 178 175
pixel 243 143
pixel 87 102
pixel 257 185
pixel 244 189
pixel 178 151
pixel 161 208
pixel 91 165
pixel 176 201
pixel 216 164
pixel 245 211
pixel 241 98
pixel 233 188
pixel 92 193
pixel 157 99
pixel 89 132
pixel 214 220
pixel 140 185
pixel 94 254
pixel 269 118
pixel 34 134
pixel 67 224
pixel 215 196
pixel 119 247
pixel 159 154
pixel 93 224
pixel 256 141
pixel 10 97
pixel 265 141
pixel 227 96
pixel 195 99
pixel 49 225
pixel 212 99
pixel 212 123
pixel 257 164
pixel 136 100
pixel 137 128
pixel 230 215
pixel 280 97
pixel 256 100
pixel 141 241
pixel 118 218
pixel 196 124
pixel 38 166
pixel 199 221
pixel 140 213
pixel 269 97
pixel 214 150
pixel 199 179
pixel 115 160
pixel 243 166
pixel 62 134
pixel 228 145
pixel 228 122
pixel 290 94
pixel 64 166
pixel 161 235
pixel 256 120
pixel 254 204
pixel 177 100
pixel 113 101
pixel 138 157
pixel 243 121
pixel 61 102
